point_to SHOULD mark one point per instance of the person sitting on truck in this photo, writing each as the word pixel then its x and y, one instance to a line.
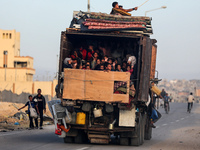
pixel 118 68
pixel 131 61
pixel 102 61
pixel 120 11
pixel 124 66
pixel 74 66
pixel 105 58
pixel 87 67
pixel 94 61
pixel 110 61
pixel 102 67
pixel 129 69
pixel 76 55
pixel 87 53
pixel 108 67
pixel 67 63
pixel 97 67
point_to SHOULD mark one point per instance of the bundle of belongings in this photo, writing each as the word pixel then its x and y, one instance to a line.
pixel 92 22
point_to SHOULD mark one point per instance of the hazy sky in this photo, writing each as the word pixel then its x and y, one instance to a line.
pixel 40 22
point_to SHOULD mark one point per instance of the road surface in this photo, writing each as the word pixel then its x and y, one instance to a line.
pixel 176 130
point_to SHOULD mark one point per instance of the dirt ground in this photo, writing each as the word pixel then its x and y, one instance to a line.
pixel 186 138
pixel 7 119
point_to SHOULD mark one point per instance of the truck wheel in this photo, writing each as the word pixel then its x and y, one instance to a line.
pixel 137 140
pixel 148 130
pixel 81 138
pixel 68 139
pixel 148 133
pixel 78 139
pixel 142 127
pixel 124 141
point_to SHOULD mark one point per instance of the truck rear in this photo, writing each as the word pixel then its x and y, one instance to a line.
pixel 96 104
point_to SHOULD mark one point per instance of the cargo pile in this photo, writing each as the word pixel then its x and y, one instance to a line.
pixel 94 22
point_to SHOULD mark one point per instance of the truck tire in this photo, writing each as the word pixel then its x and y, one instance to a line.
pixel 81 137
pixel 78 139
pixel 124 141
pixel 142 127
pixel 68 139
pixel 137 140
pixel 148 133
pixel 148 130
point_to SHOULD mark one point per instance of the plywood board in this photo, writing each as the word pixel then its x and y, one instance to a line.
pixel 74 84
pixel 153 61
pixel 94 85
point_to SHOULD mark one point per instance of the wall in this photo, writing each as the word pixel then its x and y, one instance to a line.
pixel 197 92
pixel 8 96
pixel 47 87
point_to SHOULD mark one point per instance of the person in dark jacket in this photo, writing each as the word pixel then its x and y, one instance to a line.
pixel 41 103
pixel 34 105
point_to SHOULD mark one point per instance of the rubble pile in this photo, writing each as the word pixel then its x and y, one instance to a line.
pixel 12 119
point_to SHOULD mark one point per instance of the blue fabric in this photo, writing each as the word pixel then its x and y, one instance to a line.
pixel 33 104
pixel 154 115
pixel 166 98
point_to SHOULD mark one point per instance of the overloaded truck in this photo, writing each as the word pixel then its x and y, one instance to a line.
pixel 99 105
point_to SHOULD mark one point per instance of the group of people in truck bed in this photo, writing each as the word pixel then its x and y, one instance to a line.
pixel 90 59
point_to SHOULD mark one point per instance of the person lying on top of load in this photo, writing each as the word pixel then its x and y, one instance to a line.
pixel 120 11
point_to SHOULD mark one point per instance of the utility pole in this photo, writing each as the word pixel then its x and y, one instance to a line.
pixel 57 65
pixel 88 5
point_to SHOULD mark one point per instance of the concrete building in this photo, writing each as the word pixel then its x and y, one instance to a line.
pixel 14 67
pixel 16 72
pixel 197 92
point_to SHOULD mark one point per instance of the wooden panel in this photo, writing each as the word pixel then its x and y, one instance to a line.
pixel 145 70
pixel 94 85
pixel 73 84
pixel 99 85
pixel 123 98
pixel 153 61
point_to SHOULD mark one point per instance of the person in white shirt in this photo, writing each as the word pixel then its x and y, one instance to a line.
pixel 190 101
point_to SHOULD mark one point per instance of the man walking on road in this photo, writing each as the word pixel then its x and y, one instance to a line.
pixel 163 94
pixel 190 101
pixel 41 103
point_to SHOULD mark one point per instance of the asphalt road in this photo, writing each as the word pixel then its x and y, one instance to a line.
pixel 166 129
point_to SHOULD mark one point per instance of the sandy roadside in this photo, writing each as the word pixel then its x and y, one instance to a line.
pixel 187 138
pixel 7 110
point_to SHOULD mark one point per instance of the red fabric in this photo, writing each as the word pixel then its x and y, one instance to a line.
pixel 115 22
pixel 58 130
pixel 128 105
pixel 84 53
pixel 131 71
pixel 105 24
pixel 73 57
pixel 116 27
